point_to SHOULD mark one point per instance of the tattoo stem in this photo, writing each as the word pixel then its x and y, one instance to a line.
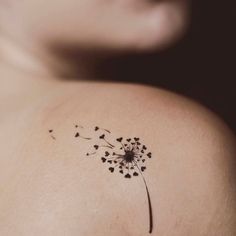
pixel 104 146
pixel 78 135
pixel 112 146
pixel 149 201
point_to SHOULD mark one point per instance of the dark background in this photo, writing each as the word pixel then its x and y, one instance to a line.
pixel 201 66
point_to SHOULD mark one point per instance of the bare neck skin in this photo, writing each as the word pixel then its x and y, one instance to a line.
pixel 19 56
pixel 29 70
pixel 26 64
pixel 26 72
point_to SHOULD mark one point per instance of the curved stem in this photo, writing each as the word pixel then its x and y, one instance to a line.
pixel 149 201
pixel 112 146
pixel 150 209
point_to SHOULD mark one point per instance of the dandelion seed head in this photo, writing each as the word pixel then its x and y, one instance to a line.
pixel 129 156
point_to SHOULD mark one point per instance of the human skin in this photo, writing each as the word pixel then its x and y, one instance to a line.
pixel 44 28
pixel 50 187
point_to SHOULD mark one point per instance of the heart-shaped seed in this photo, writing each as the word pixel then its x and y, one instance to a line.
pixel 143 168
pixel 119 139
pixel 128 176
pixel 149 154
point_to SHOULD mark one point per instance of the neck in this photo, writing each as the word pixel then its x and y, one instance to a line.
pixel 25 60
pixel 36 61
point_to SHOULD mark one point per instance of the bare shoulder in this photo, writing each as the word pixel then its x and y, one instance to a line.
pixel 192 170
pixel 137 108
pixel 190 175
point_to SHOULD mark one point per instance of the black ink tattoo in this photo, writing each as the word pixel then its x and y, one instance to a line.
pixel 104 138
pixel 79 126
pixel 125 156
pixel 80 136
pixel 129 162
pixel 51 134
pixel 97 128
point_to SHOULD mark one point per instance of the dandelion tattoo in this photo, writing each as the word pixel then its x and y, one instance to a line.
pixel 125 156
pixel 129 162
